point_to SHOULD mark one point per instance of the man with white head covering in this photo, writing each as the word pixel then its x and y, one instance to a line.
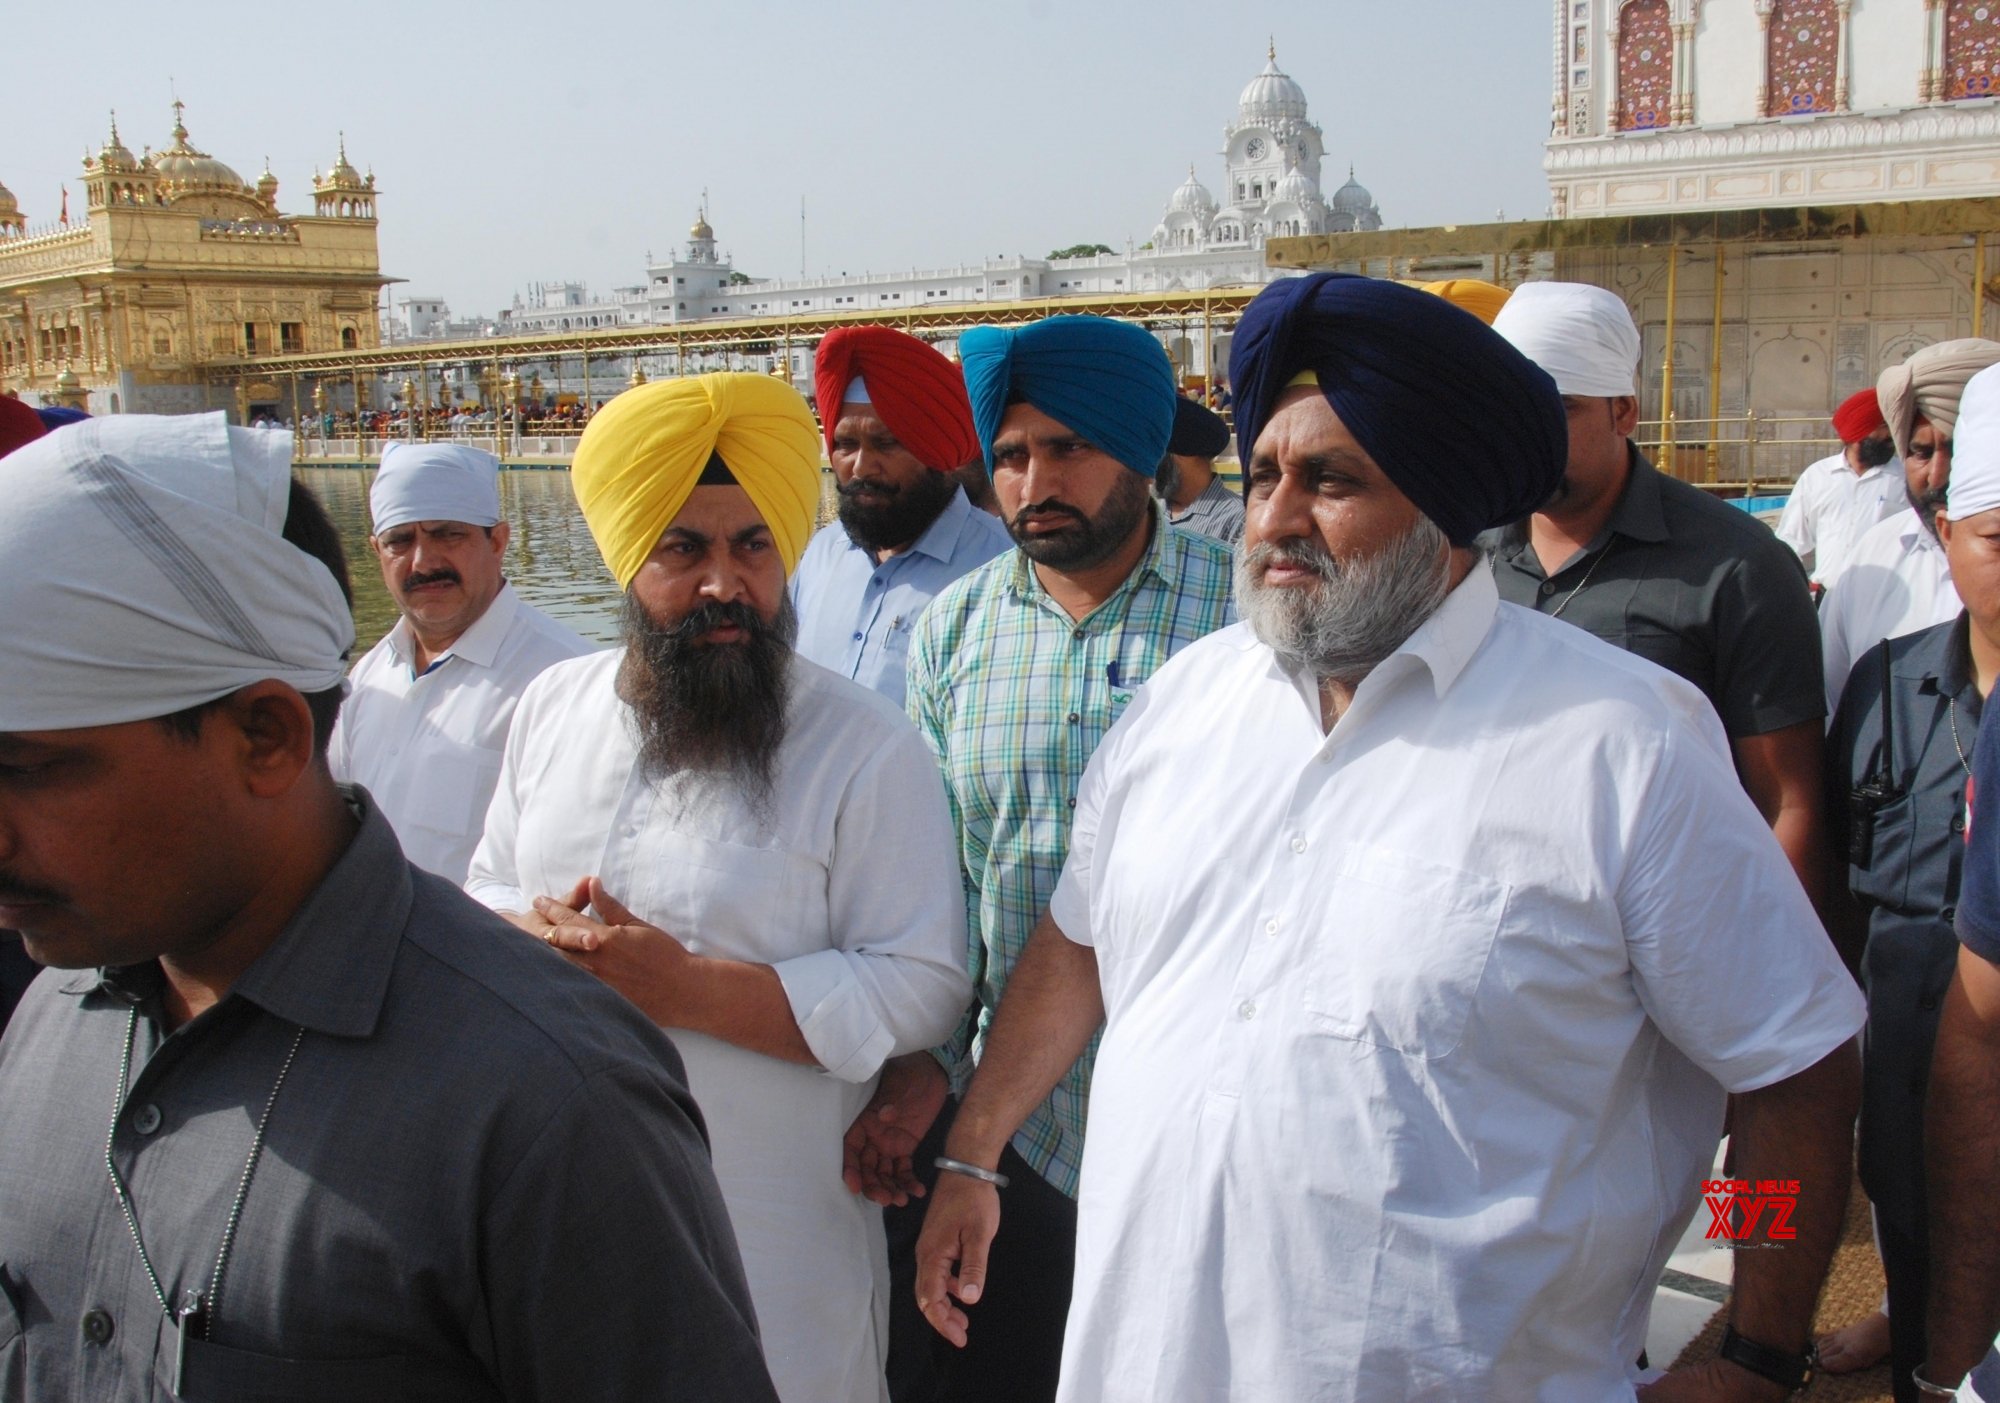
pixel 1898 753
pixel 288 1116
pixel 754 850
pixel 429 705
pixel 1662 569
pixel 1897 579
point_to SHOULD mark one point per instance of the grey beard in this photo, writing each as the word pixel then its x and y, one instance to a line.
pixel 1361 610
pixel 714 709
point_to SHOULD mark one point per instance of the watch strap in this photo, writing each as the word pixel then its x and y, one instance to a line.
pixel 1794 1371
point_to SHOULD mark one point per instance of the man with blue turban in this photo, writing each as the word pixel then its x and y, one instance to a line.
pixel 1016 672
pixel 1415 1046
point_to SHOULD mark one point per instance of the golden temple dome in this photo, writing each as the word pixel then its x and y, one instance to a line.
pixel 700 229
pixel 343 174
pixel 181 168
pixel 114 155
pixel 8 204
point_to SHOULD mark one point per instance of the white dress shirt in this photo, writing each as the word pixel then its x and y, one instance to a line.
pixel 847 884
pixel 1831 506
pixel 428 748
pixel 1897 581
pixel 1418 1032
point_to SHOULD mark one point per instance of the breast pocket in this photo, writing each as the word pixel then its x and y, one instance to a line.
pixel 1398 947
pixel 1886 878
pixel 742 903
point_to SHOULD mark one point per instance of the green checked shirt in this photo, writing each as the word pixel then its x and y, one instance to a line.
pixel 1013 696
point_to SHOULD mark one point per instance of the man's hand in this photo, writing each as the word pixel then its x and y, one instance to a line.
pixel 1715 1381
pixel 642 962
pixel 876 1162
pixel 958 1231
pixel 538 925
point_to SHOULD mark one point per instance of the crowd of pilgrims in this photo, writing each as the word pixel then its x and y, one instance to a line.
pixel 1065 929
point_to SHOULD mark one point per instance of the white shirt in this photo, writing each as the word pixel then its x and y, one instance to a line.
pixel 1417 1040
pixel 428 748
pixel 1897 581
pixel 1831 507
pixel 850 890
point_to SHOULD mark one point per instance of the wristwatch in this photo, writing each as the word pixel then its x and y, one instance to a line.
pixel 1794 1371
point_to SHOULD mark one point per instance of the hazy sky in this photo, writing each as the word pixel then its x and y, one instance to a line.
pixel 513 142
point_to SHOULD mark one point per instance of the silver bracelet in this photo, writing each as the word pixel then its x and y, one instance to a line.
pixel 1929 1389
pixel 971 1171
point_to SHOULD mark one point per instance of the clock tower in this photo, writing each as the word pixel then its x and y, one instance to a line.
pixel 1270 138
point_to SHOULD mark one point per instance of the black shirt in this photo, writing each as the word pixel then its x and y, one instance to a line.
pixel 1694 584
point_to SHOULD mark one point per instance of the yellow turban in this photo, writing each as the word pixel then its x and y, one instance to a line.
pixel 1483 300
pixel 641 456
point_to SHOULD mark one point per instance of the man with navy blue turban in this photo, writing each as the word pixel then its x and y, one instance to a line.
pixel 1415 1043
pixel 1016 671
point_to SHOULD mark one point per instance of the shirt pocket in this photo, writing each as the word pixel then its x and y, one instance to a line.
pixel 1397 950
pixel 743 903
pixel 451 793
pixel 1891 848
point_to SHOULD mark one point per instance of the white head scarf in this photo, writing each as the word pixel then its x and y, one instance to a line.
pixel 1583 336
pixel 1975 454
pixel 435 482
pixel 142 572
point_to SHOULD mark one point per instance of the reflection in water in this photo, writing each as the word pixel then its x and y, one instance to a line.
pixel 551 560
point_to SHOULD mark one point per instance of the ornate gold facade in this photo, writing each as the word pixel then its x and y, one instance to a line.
pixel 177 265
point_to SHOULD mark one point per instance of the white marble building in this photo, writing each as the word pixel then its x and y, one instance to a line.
pixel 1684 105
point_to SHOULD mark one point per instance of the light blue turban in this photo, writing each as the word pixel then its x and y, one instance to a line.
pixel 1109 382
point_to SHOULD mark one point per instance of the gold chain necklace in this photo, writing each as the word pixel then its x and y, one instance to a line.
pixel 1556 613
pixel 1951 714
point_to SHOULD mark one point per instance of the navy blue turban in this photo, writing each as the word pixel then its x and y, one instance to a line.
pixel 1468 428
pixel 1108 382
pixel 1199 432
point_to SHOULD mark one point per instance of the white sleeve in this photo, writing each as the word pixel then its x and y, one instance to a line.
pixel 1836 652
pixel 1795 523
pixel 894 981
pixel 1727 956
pixel 493 880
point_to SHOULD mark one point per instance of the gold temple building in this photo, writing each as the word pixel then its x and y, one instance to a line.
pixel 177 263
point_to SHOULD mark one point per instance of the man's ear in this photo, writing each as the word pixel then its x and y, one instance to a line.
pixel 269 727
pixel 1624 415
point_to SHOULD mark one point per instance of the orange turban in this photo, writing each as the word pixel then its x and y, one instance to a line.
pixel 916 391
pixel 640 458
pixel 1483 300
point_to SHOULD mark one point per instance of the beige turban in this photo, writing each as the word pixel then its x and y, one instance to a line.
pixel 1928 385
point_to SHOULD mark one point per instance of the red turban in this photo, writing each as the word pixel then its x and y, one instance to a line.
pixel 1859 415
pixel 18 425
pixel 918 393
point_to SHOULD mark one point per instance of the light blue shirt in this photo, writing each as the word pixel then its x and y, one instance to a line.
pixel 855 616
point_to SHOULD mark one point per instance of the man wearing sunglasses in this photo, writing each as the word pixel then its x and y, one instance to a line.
pixel 1897 580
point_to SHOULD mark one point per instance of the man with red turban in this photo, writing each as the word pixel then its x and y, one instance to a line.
pixel 898 426
pixel 19 425
pixel 1841 496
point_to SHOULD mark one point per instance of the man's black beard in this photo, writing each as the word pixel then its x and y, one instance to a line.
pixel 1167 479
pixel 1092 540
pixel 1926 505
pixel 1874 452
pixel 904 514
pixel 717 708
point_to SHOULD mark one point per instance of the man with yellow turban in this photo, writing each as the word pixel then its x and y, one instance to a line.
pixel 754 850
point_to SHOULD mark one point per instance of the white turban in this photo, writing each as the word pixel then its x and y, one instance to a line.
pixel 1975 454
pixel 435 482
pixel 1583 336
pixel 142 572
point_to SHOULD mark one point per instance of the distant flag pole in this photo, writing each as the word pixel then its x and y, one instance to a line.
pixel 65 207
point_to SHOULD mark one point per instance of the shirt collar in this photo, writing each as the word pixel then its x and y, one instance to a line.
pixel 478 645
pixel 1162 561
pixel 329 968
pixel 1944 663
pixel 940 538
pixel 1638 515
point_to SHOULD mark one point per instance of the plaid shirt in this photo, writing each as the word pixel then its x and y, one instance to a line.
pixel 1013 696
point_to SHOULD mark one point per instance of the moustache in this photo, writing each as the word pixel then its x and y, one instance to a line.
pixel 1049 508
pixel 709 617
pixel 436 577
pixel 1306 555
pixel 859 486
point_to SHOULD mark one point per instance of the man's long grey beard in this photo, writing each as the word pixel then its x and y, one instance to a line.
pixel 715 709
pixel 1361 610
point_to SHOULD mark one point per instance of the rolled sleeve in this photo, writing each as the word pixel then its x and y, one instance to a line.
pixel 1727 956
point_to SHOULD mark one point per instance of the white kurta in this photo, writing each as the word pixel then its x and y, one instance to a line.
pixel 428 748
pixel 850 890
pixel 1417 1041
pixel 1832 506
pixel 1897 581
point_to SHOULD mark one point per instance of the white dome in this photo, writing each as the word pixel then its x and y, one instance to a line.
pixel 1353 197
pixel 1271 94
pixel 1294 188
pixel 1191 197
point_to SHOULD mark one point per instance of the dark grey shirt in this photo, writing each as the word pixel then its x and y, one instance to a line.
pixel 484 1177
pixel 1217 513
pixel 1694 584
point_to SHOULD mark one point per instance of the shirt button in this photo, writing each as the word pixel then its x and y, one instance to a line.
pixel 1298 845
pixel 146 1119
pixel 1077 637
pixel 1071 801
pixel 1074 718
pixel 857 638
pixel 1326 757
pixel 1949 913
pixel 1246 1010
pixel 1548 588
pixel 1958 824
pixel 1271 926
pixel 97 1327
